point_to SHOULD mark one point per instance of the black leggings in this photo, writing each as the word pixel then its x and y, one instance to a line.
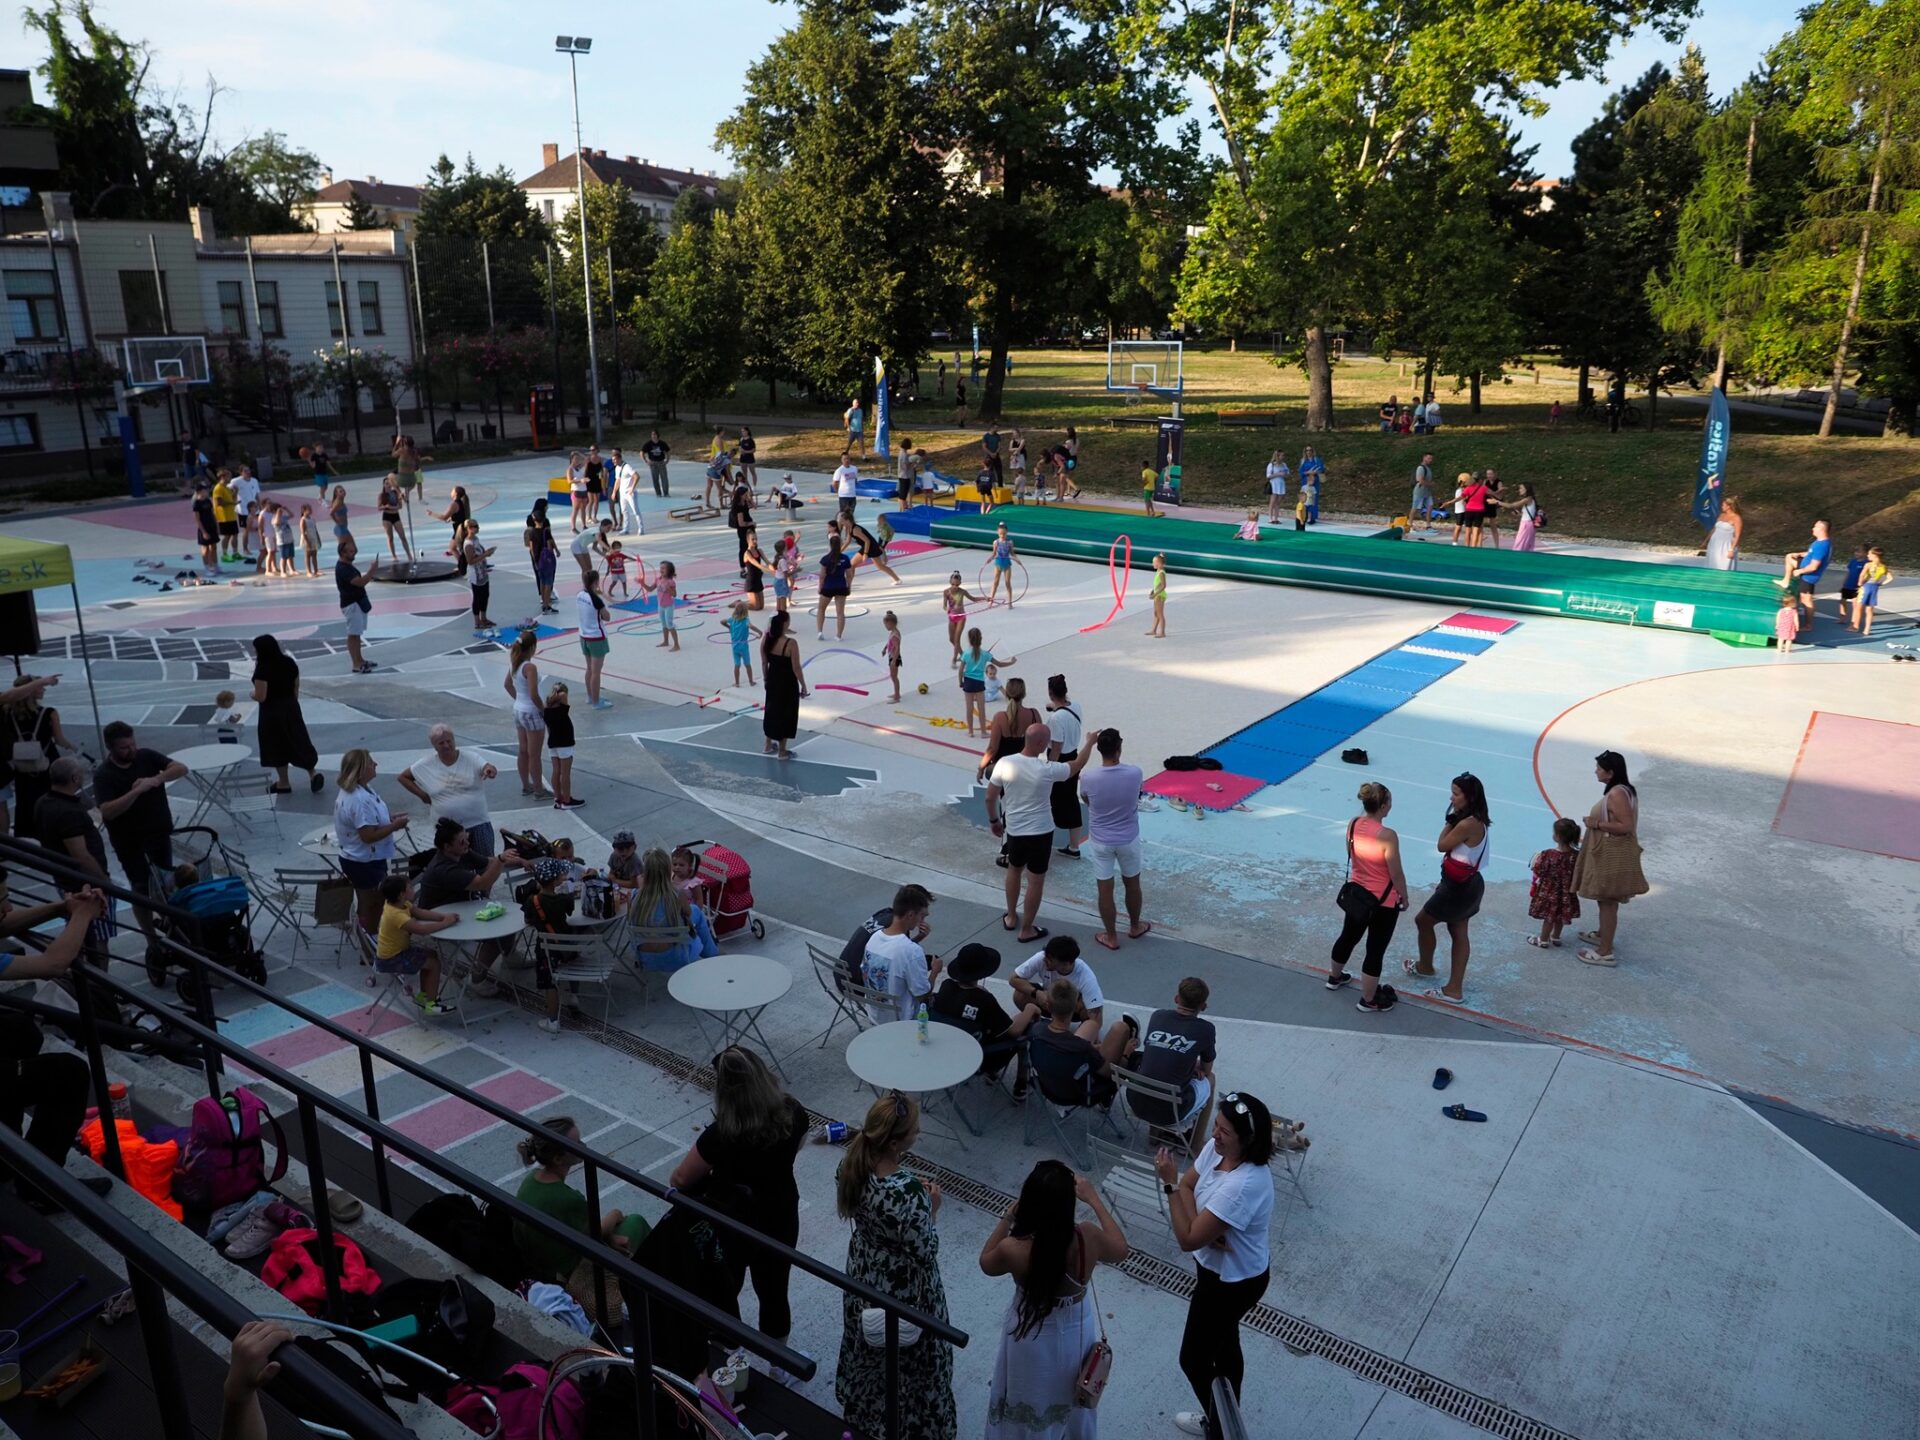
pixel 1211 1345
pixel 770 1275
pixel 481 595
pixel 55 1087
pixel 1378 928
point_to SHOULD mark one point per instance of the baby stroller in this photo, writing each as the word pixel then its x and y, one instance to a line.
pixel 725 889
pixel 220 904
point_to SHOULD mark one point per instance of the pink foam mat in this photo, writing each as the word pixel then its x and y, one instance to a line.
pixel 900 545
pixel 1479 624
pixel 1197 787
pixel 1855 785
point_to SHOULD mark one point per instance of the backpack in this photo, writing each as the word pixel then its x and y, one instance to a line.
pixel 1190 762
pixel 516 1398
pixel 293 1268
pixel 479 1237
pixel 224 1159
pixel 456 1319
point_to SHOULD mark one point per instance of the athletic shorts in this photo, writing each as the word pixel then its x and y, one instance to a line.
pixel 1847 592
pixel 593 649
pixel 1031 853
pixel 560 752
pixel 229 528
pixel 970 686
pixel 1474 519
pixel 356 619
pixel 1110 858
pixel 741 655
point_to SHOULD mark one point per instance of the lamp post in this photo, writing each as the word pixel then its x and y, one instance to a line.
pixel 573 47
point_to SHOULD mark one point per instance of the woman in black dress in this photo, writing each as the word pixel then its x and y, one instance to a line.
pixel 754 570
pixel 283 729
pixel 780 664
pixel 757 1132
pixel 740 514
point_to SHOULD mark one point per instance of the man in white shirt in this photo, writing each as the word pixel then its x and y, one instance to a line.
pixel 592 613
pixel 894 961
pixel 452 783
pixel 1020 806
pixel 845 484
pixel 626 505
pixel 1059 960
pixel 246 499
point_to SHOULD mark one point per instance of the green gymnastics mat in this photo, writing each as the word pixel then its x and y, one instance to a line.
pixel 1733 606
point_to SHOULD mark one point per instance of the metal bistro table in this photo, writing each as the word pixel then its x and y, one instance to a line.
pixel 207 768
pixel 470 933
pixel 893 1057
pixel 735 989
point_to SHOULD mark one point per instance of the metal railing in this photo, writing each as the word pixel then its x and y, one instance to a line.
pixel 154 1272
pixel 311 1102
pixel 1226 1411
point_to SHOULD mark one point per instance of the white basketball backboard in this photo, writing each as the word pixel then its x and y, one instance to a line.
pixel 155 361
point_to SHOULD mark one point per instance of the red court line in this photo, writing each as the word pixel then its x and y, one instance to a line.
pixel 1798 755
pixel 908 734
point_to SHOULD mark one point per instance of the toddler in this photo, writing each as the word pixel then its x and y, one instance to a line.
pixel 1310 496
pixel 558 713
pixel 1786 622
pixel 995 695
pixel 740 630
pixel 617 569
pixel 1553 902
pixel 890 651
pixel 667 587
pixel 1249 528
pixel 686 873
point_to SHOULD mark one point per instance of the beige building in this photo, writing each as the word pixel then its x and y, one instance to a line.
pixel 326 209
pixel 552 190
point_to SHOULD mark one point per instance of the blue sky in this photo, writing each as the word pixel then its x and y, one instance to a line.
pixel 380 87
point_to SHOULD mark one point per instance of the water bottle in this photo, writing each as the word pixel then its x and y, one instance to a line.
pixel 119 1101
pixel 920 1019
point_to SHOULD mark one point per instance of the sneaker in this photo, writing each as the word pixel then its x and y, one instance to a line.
pixel 1190 1422
pixel 550 1024
pixel 431 1005
pixel 573 804
pixel 603 704
pixel 1384 998
pixel 1339 980
pixel 254 1234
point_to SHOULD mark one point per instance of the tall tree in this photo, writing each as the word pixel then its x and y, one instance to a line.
pixel 460 211
pixel 281 172
pixel 690 320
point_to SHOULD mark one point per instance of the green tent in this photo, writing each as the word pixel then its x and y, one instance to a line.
pixel 40 565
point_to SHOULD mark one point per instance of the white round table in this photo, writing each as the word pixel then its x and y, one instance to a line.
pixel 207 768
pixel 892 1057
pixel 735 989
pixel 469 934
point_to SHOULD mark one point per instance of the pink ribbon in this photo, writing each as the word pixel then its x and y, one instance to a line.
pixel 1119 577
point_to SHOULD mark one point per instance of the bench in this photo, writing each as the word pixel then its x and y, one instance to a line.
pixel 1268 418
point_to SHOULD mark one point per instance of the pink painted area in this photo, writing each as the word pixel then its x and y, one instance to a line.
pixel 518 1090
pixel 309 1042
pixel 1855 785
pixel 175 520
pixel 900 545
pixel 444 1123
pixel 1478 624
pixel 1196 787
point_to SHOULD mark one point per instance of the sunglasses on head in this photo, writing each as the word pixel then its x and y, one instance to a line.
pixel 1234 1103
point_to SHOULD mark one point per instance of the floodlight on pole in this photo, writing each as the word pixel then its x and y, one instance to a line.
pixel 574 46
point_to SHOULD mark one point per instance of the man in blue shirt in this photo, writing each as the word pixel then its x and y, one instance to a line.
pixel 1805 567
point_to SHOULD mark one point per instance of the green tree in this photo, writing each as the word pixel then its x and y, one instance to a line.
pixel 690 321
pixel 462 210
pixel 362 216
pixel 616 228
pixel 281 173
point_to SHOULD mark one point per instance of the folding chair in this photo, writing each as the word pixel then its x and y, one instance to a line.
pixel 1290 1157
pixel 1067 1085
pixel 639 941
pixel 396 989
pixel 581 959
pixel 295 890
pixel 1130 1183
pixel 996 1059
pixel 1156 1105
pixel 835 981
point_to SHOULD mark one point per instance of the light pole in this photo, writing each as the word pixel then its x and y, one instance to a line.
pixel 573 47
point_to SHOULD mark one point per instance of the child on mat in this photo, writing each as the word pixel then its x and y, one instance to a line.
pixel 310 541
pixel 1850 583
pixel 666 586
pixel 1158 594
pixel 1149 477
pixel 558 713
pixel 1786 622
pixel 1002 565
pixel 1872 578
pixel 1249 528
pixel 616 569
pixel 1552 901
pixel 890 651
pixel 955 598
pixel 977 664
pixel 740 630
pixel 395 952
pixel 995 694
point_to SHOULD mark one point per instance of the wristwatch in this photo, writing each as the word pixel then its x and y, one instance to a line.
pixel 1166 1189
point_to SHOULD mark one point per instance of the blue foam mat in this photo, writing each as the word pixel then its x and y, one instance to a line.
pixel 1432 666
pixel 1453 644
pixel 1381 698
pixel 1267 766
pixel 1279 738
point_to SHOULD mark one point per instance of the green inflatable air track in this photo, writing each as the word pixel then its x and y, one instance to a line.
pixel 1733 606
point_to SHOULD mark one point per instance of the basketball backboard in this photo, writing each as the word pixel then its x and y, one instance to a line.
pixel 157 361
pixel 1149 367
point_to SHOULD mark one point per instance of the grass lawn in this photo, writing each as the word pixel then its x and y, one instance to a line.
pixel 1636 485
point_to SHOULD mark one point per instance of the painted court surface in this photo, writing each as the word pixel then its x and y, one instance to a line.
pixel 1639 1242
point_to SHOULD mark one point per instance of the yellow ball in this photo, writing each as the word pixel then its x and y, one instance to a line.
pixel 923 687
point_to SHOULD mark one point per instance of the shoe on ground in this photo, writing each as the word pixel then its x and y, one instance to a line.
pixel 432 1005
pixel 1384 998
pixel 551 1025
pixel 254 1234
pixel 317 783
pixel 603 704
pixel 1190 1422
pixel 1339 980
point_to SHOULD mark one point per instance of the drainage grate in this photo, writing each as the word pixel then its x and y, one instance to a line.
pixel 1302 1337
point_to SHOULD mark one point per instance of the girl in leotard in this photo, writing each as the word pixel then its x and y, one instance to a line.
pixel 973 679
pixel 891 651
pixel 1158 594
pixel 1002 566
pixel 956 598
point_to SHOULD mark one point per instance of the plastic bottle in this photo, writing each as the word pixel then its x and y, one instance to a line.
pixel 920 1019
pixel 119 1101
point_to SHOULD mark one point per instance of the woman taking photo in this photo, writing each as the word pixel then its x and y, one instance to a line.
pixel 1051 1323
pixel 1372 898
pixel 529 716
pixel 1220 1211
pixel 757 1132
pixel 363 830
pixel 1608 871
pixel 896 1249
pixel 780 672
pixel 283 728
pixel 1456 899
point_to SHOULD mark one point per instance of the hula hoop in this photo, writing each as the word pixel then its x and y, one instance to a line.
pixel 850 689
pixel 1012 599
pixel 838 650
pixel 1118 578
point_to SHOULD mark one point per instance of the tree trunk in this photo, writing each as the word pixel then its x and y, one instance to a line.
pixel 1859 277
pixel 1426 384
pixel 1473 394
pixel 1319 365
pixel 1899 422
pixel 996 359
pixel 1739 247
pixel 1653 401
pixel 1586 379
pixel 773 393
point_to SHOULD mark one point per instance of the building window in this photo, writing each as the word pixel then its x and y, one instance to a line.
pixel 233 313
pixel 333 310
pixel 267 293
pixel 30 305
pixel 370 307
pixel 546 209
pixel 141 302
pixel 17 433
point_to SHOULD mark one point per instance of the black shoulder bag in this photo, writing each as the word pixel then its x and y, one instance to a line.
pixel 1355 900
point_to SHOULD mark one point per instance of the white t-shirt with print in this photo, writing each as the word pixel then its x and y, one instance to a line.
pixel 895 964
pixel 843 482
pixel 1243 1199
pixel 1034 971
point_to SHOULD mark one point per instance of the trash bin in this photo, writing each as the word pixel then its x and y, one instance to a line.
pixel 263 468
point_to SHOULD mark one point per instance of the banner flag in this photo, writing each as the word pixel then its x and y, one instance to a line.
pixel 882 410
pixel 1715 440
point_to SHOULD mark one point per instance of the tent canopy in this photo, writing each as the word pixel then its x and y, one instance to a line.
pixel 33 564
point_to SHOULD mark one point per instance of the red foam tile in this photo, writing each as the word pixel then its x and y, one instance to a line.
pixel 1855 785
pixel 518 1090
pixel 1480 624
pixel 1209 789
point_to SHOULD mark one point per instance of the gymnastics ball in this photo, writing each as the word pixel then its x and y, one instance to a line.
pixel 923 687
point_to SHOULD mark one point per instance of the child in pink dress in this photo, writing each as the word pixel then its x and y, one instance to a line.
pixel 1553 902
pixel 1786 623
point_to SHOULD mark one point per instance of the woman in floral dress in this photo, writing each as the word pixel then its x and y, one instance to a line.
pixel 894 1248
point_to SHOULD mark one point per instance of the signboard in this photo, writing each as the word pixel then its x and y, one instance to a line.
pixel 1710 481
pixel 1166 460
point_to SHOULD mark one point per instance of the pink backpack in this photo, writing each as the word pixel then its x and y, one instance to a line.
pixel 517 1397
pixel 224 1157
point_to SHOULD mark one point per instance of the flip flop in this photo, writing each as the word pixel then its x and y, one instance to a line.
pixel 1040 932
pixel 1442 1078
pixel 1460 1112
pixel 1102 940
pixel 1145 927
pixel 1007 922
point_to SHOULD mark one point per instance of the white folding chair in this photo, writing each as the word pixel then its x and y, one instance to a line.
pixel 836 983
pixel 396 989
pixel 1290 1158
pixel 581 959
pixel 295 893
pixel 1130 1182
pixel 1156 1105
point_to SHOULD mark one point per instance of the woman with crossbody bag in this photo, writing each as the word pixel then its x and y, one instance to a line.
pixel 1371 899
pixel 1456 899
pixel 35 742
pixel 1053 1358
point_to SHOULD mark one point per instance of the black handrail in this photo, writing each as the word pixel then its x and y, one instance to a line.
pixel 154 1272
pixel 1226 1410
